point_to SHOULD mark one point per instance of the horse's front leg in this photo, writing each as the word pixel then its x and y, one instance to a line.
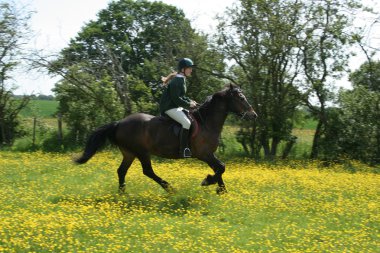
pixel 219 169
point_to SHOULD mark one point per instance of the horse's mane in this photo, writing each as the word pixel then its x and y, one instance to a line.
pixel 220 93
pixel 209 99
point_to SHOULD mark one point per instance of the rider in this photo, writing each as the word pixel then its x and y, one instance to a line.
pixel 174 99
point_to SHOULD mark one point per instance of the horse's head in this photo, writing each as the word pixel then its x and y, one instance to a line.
pixel 238 104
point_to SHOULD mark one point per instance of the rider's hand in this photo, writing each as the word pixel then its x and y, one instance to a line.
pixel 193 104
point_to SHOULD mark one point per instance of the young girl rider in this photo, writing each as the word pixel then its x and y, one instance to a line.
pixel 174 99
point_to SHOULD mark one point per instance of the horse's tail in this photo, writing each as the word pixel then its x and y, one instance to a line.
pixel 97 140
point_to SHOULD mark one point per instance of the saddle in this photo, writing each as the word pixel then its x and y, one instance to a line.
pixel 176 127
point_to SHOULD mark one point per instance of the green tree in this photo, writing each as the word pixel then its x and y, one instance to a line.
pixel 354 127
pixel 360 137
pixel 260 40
pixel 86 108
pixel 360 116
pixel 13 34
pixel 367 76
pixel 117 61
pixel 324 41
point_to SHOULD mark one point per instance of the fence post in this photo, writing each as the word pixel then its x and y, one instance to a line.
pixel 60 133
pixel 34 132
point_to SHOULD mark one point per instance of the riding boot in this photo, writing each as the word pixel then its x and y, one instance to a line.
pixel 184 149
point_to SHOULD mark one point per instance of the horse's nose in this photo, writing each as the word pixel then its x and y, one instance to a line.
pixel 253 113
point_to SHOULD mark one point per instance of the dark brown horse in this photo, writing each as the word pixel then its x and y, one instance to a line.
pixel 142 135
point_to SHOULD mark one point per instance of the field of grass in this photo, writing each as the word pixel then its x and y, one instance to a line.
pixel 40 109
pixel 300 150
pixel 49 204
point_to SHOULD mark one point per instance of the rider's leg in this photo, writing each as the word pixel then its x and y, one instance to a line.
pixel 178 115
pixel 184 149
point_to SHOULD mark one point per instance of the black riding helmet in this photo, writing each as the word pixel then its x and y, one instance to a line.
pixel 185 63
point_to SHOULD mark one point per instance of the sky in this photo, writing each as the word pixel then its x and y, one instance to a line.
pixel 55 22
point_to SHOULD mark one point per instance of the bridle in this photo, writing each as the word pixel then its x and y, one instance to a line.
pixel 244 113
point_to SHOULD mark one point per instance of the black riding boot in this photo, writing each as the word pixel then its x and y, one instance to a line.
pixel 184 149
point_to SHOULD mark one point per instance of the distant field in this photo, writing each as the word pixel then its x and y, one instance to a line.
pixel 306 123
pixel 301 149
pixel 45 110
pixel 309 124
pixel 48 204
pixel 40 109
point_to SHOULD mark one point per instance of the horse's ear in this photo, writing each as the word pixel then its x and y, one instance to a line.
pixel 231 86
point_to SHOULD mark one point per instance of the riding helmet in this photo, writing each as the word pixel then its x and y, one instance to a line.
pixel 185 63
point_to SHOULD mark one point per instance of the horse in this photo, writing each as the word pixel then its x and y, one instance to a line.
pixel 142 135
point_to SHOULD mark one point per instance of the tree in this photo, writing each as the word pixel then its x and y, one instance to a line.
pixel 360 116
pixel 354 127
pixel 324 41
pixel 260 40
pixel 13 34
pixel 360 134
pixel 367 76
pixel 115 63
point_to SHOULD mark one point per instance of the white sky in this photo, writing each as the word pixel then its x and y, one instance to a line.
pixel 55 22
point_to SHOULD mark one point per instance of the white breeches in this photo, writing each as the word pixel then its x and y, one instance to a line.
pixel 178 115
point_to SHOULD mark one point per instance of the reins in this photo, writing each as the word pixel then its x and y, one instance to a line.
pixel 197 110
pixel 200 115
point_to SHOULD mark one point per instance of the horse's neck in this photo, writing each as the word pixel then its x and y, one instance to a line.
pixel 214 115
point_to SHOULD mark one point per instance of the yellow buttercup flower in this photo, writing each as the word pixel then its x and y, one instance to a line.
pixel 48 204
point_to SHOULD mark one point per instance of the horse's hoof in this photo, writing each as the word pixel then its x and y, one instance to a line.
pixel 220 190
pixel 167 187
pixel 205 182
pixel 170 189
pixel 209 180
pixel 122 189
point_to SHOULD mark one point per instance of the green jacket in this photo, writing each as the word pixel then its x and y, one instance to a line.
pixel 174 95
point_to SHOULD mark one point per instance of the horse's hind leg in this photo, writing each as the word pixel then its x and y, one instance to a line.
pixel 123 168
pixel 148 171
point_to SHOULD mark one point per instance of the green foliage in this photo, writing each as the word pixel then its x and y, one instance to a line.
pixel 33 139
pixel 24 144
pixel 328 144
pixel 304 120
pixel 286 53
pixel 14 32
pixel 353 129
pixel 260 38
pixel 367 76
pixel 325 42
pixel 360 124
pixel 83 113
pixel 9 117
pixel 116 62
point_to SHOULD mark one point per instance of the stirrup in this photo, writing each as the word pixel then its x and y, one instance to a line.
pixel 186 153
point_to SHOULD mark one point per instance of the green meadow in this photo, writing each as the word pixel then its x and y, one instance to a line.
pixel 48 204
